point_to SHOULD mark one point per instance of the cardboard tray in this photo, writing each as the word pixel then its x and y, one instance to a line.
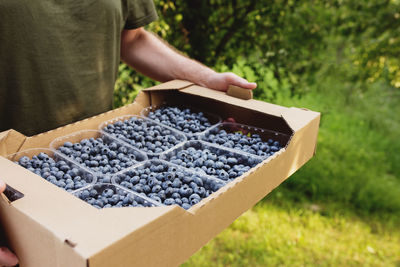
pixel 50 227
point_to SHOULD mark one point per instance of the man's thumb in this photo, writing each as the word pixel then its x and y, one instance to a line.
pixel 7 258
pixel 2 186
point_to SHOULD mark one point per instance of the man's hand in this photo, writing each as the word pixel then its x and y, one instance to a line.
pixel 7 258
pixel 153 57
pixel 221 81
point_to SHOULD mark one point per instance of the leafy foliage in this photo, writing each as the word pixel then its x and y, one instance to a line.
pixel 279 44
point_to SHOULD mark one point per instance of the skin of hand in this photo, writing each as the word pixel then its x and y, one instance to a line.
pixel 7 258
pixel 155 58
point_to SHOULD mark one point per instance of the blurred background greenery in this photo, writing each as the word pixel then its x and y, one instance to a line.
pixel 338 57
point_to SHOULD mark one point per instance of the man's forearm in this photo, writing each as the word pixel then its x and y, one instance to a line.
pixel 154 58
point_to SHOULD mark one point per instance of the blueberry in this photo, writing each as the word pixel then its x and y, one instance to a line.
pixel 176 195
pixel 177 183
pixel 147 189
pixel 169 201
pixel 60 172
pixel 156 189
pixel 178 201
pixel 182 119
pixel 186 206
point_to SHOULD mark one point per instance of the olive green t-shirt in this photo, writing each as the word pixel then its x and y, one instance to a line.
pixel 59 58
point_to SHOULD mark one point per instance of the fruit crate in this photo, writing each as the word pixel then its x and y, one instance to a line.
pixel 137 133
pixel 210 159
pixel 240 137
pixel 56 174
pixel 108 147
pixel 168 184
pixel 191 134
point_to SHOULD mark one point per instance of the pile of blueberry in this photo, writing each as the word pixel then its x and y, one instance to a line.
pixel 144 135
pixel 155 182
pixel 252 144
pixel 59 172
pixel 108 196
pixel 185 120
pixel 102 155
pixel 166 184
pixel 222 164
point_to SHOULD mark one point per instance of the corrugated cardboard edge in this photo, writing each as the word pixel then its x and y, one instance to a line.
pixel 251 104
pixel 293 115
pixel 21 226
pixel 10 142
pixel 171 85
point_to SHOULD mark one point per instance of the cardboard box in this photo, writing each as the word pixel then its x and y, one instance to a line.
pixel 50 227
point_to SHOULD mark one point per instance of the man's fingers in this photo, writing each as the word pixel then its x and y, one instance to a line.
pixel 2 186
pixel 248 85
pixel 241 82
pixel 7 258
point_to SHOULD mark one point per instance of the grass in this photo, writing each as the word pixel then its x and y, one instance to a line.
pixel 357 161
pixel 301 235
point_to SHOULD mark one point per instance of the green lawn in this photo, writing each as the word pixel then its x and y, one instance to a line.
pixel 301 235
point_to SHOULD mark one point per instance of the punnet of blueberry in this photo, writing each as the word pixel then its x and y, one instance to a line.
pixel 144 134
pixel 103 155
pixel 168 184
pixel 57 171
pixel 108 196
pixel 220 163
pixel 183 119
pixel 250 143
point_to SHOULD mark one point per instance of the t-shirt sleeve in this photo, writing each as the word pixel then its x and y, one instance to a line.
pixel 140 13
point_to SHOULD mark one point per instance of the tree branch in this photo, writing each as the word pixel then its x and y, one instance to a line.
pixel 233 28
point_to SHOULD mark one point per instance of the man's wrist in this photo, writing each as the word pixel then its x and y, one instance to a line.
pixel 206 77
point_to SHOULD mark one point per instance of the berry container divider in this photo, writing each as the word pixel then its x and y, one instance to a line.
pixel 213 119
pixel 183 176
pixel 230 127
pixel 234 163
pixel 123 200
pixel 103 168
pixel 87 177
pixel 179 136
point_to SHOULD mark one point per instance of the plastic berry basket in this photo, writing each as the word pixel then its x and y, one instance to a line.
pixel 167 183
pixel 212 118
pixel 234 163
pixel 100 196
pixel 80 176
pixel 142 132
pixel 101 160
pixel 268 138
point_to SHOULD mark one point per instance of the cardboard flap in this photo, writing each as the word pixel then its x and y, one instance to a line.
pixel 239 92
pixel 297 118
pixel 10 142
pixel 251 104
pixel 171 85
